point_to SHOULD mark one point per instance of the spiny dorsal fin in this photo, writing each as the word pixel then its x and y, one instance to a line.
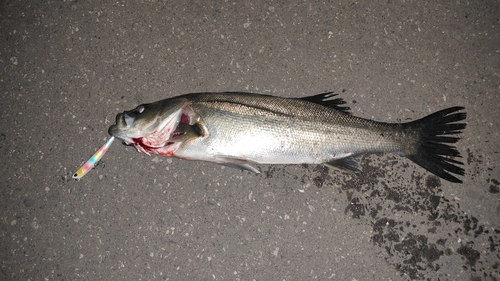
pixel 325 100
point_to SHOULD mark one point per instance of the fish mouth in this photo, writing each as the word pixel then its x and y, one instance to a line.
pixel 112 130
pixel 117 130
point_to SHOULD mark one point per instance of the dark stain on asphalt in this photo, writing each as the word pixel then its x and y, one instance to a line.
pixel 427 242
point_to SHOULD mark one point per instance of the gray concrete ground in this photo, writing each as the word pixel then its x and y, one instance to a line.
pixel 68 67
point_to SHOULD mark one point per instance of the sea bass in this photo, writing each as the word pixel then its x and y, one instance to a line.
pixel 239 129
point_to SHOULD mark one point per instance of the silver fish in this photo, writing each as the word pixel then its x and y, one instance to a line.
pixel 239 129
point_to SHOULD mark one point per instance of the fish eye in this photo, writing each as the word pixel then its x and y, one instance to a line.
pixel 140 109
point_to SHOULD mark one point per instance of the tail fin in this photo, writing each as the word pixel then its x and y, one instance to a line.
pixel 431 149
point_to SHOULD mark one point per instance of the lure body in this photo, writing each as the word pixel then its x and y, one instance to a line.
pixel 93 160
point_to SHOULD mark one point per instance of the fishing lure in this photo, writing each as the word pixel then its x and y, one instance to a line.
pixel 93 160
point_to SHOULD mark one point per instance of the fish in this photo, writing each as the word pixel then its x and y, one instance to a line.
pixel 241 130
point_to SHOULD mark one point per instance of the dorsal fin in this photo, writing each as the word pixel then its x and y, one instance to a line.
pixel 325 100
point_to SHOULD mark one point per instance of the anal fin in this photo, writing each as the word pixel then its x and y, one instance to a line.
pixel 244 167
pixel 346 163
pixel 235 162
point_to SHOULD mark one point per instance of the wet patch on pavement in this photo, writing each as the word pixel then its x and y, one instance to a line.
pixel 423 234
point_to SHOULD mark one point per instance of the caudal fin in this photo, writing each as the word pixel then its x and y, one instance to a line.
pixel 430 145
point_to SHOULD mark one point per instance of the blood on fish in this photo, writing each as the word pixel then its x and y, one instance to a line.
pixel 168 153
pixel 139 142
pixel 164 151
pixel 185 118
pixel 153 143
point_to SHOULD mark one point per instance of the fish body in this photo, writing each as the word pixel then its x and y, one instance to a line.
pixel 241 129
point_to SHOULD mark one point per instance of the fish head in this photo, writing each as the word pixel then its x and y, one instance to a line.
pixel 154 127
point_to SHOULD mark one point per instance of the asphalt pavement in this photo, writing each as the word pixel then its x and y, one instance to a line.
pixel 68 67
